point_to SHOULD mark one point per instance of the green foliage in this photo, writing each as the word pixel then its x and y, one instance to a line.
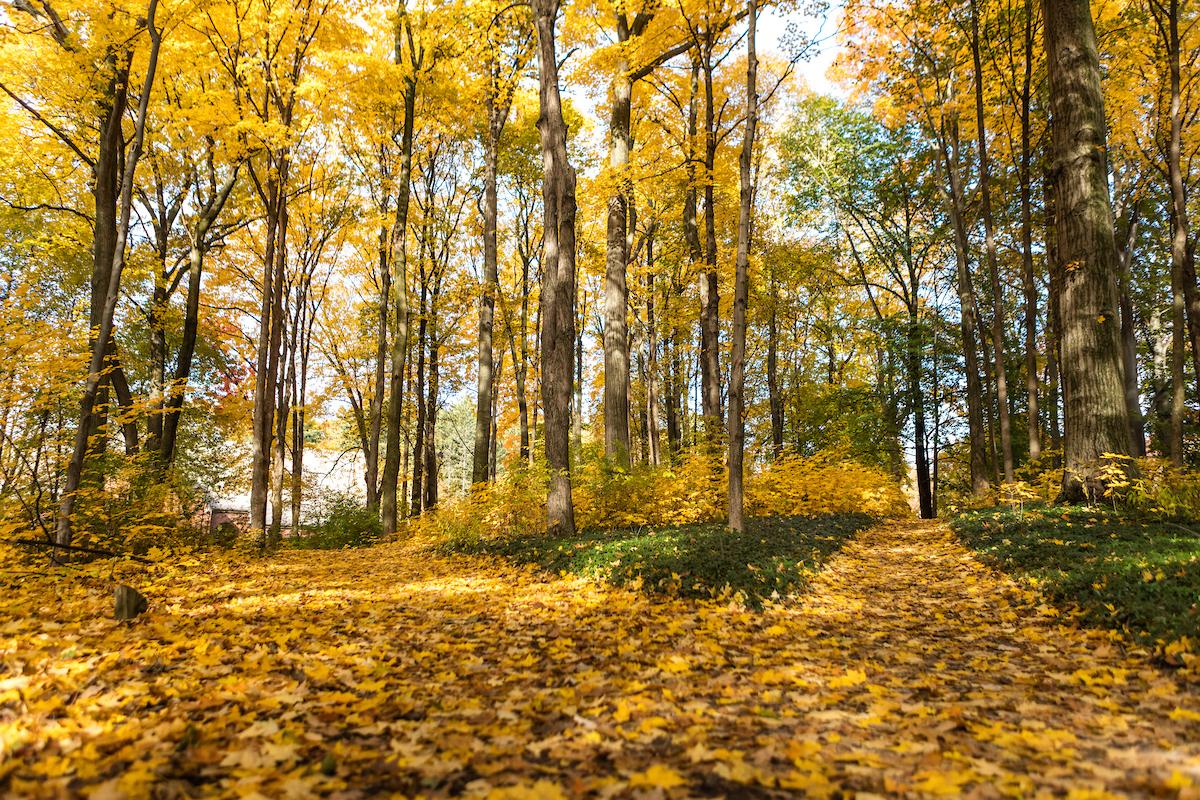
pixel 138 507
pixel 1130 572
pixel 687 493
pixel 773 558
pixel 344 522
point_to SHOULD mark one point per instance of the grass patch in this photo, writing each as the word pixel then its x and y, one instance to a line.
pixel 1138 575
pixel 773 558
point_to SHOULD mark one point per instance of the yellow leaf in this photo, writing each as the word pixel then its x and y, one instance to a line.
pixel 658 776
pixel 852 678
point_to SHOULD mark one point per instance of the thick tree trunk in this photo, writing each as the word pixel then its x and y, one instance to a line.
pixel 89 423
pixel 1096 420
pixel 741 291
pixel 558 275
pixel 616 292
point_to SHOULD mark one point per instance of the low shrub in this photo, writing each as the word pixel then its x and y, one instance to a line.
pixel 343 522
pixel 690 492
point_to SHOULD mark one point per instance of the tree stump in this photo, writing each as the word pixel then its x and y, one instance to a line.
pixel 130 602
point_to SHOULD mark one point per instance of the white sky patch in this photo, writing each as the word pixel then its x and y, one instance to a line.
pixel 773 27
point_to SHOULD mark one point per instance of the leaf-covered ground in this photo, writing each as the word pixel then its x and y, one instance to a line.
pixel 1138 575
pixel 905 668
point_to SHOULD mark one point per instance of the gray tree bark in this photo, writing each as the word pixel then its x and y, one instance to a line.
pixel 1096 420
pixel 741 290
pixel 558 275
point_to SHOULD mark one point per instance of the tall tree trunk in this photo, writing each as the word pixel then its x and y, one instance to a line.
pixel 389 501
pixel 917 395
pixel 741 291
pixel 431 460
pixel 1096 420
pixel 1178 364
pixel 379 384
pixel 264 394
pixel 276 440
pixel 1137 425
pixel 989 238
pixel 497 116
pixel 417 488
pixel 173 405
pixel 89 423
pixel 558 275
pixel 775 397
pixel 1032 419
pixel 1053 318
pixel 956 201
pixel 1183 267
pixel 710 306
pixel 616 292
pixel 653 454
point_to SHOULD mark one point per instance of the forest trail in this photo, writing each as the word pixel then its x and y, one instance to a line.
pixel 907 668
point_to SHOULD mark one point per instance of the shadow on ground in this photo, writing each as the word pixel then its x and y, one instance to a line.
pixel 773 558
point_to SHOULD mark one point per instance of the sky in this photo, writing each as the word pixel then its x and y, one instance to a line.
pixel 772 26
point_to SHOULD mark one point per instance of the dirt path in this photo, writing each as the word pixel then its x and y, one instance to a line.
pixel 906 669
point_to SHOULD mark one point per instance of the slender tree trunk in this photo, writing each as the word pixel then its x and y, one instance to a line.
pixel 653 455
pixel 976 434
pixel 989 238
pixel 741 291
pixel 277 438
pixel 431 403
pixel 1137 425
pixel 1183 267
pixel 1053 319
pixel 497 116
pixel 264 394
pixel 380 384
pixel 558 275
pixel 580 320
pixel 916 393
pixel 173 405
pixel 389 501
pixel 1096 420
pixel 710 345
pixel 775 396
pixel 1028 282
pixel 1178 364
pixel 417 488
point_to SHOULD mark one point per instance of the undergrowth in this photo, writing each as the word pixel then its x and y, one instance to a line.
pixel 1123 570
pixel 773 558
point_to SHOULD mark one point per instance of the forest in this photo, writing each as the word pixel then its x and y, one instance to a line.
pixel 605 398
